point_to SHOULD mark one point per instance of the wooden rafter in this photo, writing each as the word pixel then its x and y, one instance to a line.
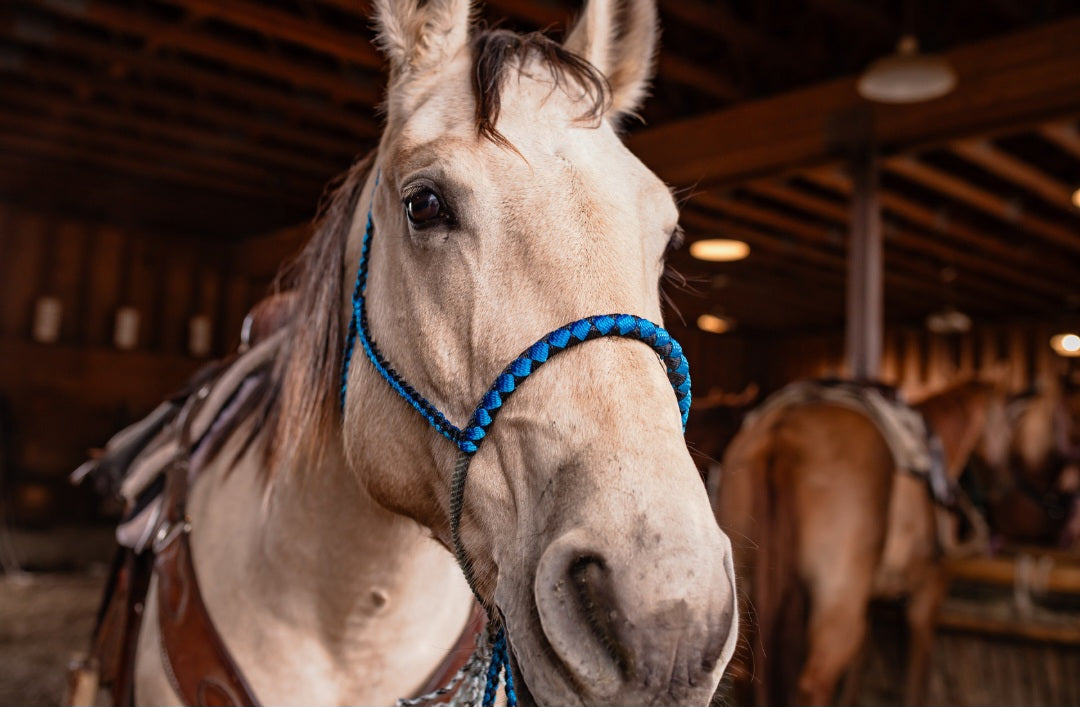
pixel 1064 135
pixel 1004 165
pixel 691 74
pixel 839 214
pixel 159 33
pixel 51 140
pixel 913 282
pixel 719 21
pixel 194 137
pixel 128 61
pixel 912 241
pixel 1028 76
pixel 1031 258
pixel 283 25
pixel 981 199
pixel 861 17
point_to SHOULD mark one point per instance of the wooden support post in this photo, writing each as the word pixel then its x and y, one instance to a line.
pixel 865 276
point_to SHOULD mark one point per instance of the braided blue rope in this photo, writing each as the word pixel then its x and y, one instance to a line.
pixel 566 337
pixel 500 663
pixel 469 438
pixel 359 330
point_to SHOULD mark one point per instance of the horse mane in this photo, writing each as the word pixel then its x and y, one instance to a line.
pixel 298 414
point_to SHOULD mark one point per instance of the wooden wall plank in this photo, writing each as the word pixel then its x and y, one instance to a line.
pixel 104 283
pixel 65 275
pixel 20 273
pixel 144 268
pixel 208 300
pixel 178 295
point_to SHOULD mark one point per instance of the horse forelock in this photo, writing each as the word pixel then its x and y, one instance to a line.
pixel 495 50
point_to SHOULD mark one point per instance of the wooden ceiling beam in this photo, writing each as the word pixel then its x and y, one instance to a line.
pixel 37 148
pixel 813 284
pixel 1065 135
pixel 1000 163
pixel 840 214
pixel 1028 76
pixel 540 14
pixel 861 17
pixel 126 61
pixel 912 241
pixel 907 286
pixel 718 20
pixel 195 138
pixel 1033 259
pixel 98 192
pixel 134 155
pixel 289 27
pixel 696 76
pixel 981 199
pixel 158 33
pixel 80 90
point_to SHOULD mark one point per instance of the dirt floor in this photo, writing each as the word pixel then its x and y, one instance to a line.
pixel 45 619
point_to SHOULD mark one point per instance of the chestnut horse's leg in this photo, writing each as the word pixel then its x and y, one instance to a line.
pixel 835 636
pixel 922 611
pixel 852 683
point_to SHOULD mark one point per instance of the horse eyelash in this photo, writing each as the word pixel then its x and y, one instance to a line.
pixel 670 277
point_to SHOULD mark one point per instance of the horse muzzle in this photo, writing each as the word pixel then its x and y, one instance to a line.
pixel 620 632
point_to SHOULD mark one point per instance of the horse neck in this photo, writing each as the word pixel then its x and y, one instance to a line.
pixel 326 577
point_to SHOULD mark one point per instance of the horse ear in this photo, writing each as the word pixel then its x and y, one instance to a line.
pixel 417 35
pixel 619 38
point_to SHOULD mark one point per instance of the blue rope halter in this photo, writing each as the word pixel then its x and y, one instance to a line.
pixel 469 438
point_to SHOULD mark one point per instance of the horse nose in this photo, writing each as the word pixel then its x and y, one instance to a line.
pixel 660 636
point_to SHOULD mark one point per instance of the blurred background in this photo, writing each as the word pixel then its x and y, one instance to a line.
pixel 886 189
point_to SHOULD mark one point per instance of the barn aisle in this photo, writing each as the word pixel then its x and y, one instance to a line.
pixel 45 618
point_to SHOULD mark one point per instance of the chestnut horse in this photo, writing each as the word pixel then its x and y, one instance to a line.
pixel 822 521
pixel 501 204
pixel 1034 499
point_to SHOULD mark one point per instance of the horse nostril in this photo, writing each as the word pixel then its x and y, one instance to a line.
pixel 595 593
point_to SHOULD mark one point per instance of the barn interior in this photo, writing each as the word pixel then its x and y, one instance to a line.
pixel 160 160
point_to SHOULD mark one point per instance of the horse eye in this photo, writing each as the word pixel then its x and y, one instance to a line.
pixel 423 206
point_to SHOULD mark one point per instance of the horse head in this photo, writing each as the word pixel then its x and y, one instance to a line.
pixel 503 204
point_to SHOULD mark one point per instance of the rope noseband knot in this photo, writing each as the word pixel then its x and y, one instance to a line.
pixel 469 438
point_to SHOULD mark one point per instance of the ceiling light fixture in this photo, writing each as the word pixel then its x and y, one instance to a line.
pixel 907 76
pixel 715 324
pixel 1076 198
pixel 719 250
pixel 1067 344
pixel 949 321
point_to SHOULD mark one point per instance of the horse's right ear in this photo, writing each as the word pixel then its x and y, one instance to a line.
pixel 619 37
pixel 418 35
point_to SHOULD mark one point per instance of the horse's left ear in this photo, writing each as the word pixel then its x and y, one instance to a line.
pixel 619 38
pixel 418 35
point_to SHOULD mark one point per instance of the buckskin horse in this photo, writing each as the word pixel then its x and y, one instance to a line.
pixel 822 520
pixel 328 475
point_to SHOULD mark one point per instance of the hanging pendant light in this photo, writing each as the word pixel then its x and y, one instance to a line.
pixel 907 76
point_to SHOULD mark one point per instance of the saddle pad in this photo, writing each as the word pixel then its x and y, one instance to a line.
pixel 914 447
pixel 136 458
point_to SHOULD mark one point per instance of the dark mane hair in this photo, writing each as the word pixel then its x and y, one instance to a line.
pixel 306 376
pixel 300 409
pixel 493 52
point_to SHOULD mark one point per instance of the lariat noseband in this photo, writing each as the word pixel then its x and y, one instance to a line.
pixel 469 437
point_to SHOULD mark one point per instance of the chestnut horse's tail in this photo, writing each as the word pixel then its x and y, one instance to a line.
pixel 779 600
